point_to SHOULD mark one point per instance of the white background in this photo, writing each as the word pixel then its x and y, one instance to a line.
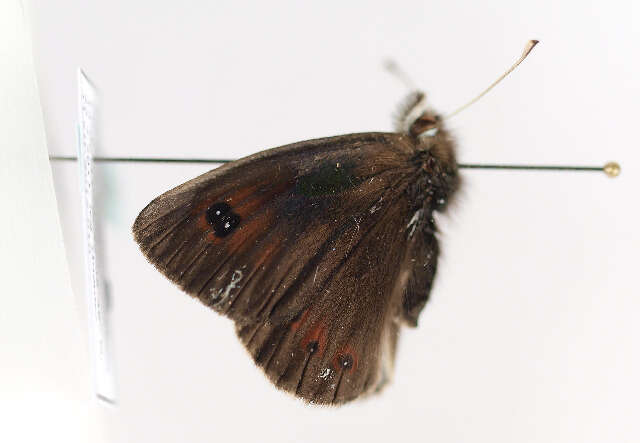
pixel 531 334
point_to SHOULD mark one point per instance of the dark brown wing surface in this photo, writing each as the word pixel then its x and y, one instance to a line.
pixel 306 248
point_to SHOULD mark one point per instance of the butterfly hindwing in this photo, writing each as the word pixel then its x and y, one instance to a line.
pixel 342 344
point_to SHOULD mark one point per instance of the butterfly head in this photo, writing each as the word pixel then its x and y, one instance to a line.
pixel 431 136
pixel 426 125
pixel 426 129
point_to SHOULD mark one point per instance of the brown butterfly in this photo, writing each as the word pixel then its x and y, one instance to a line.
pixel 319 251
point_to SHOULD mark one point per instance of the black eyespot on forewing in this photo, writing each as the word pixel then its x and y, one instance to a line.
pixel 227 225
pixel 222 219
pixel 216 212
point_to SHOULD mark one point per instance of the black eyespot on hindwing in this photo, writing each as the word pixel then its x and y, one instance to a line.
pixel 345 361
pixel 312 347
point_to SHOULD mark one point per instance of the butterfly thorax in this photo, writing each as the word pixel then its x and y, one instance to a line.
pixel 435 155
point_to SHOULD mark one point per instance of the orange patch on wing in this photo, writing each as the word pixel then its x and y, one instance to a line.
pixel 296 324
pixel 202 223
pixel 260 195
pixel 250 229
pixel 318 334
pixel 247 230
pixel 231 198
pixel 245 202
pixel 267 249
pixel 241 194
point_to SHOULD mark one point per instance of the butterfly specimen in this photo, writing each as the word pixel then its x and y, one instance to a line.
pixel 319 251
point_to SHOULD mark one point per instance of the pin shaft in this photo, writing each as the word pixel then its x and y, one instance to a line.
pixel 611 169
pixel 142 159
pixel 531 167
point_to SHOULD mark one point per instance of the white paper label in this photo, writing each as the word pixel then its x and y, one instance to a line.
pixel 99 343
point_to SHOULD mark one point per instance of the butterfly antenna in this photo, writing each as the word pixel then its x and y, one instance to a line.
pixel 527 50
pixel 392 67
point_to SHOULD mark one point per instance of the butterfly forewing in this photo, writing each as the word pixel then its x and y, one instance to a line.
pixel 315 249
